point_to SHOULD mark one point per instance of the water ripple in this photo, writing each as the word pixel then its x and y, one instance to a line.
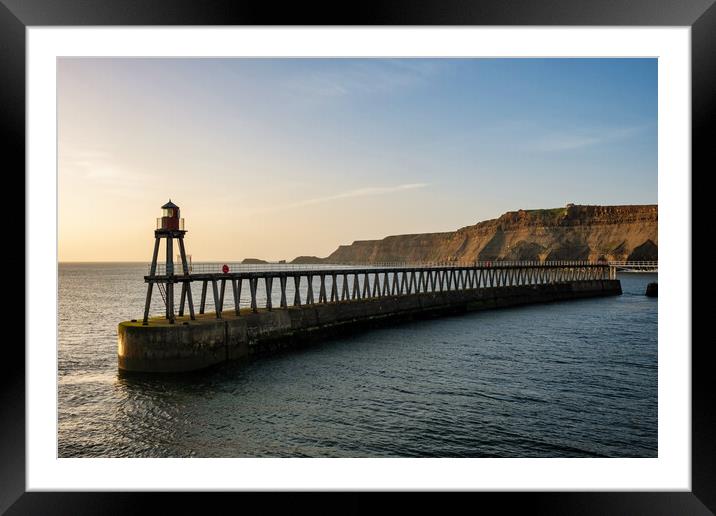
pixel 575 379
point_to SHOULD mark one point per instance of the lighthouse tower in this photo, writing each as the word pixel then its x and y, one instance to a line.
pixel 169 227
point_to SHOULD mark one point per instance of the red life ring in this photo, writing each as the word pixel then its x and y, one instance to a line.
pixel 225 269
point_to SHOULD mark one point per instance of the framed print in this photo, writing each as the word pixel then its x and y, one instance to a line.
pixel 209 186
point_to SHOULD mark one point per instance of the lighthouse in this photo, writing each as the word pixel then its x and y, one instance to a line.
pixel 170 227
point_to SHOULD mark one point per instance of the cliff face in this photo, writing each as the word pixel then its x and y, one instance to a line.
pixel 253 261
pixel 571 233
pixel 307 260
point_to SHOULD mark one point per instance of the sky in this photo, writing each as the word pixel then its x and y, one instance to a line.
pixel 277 158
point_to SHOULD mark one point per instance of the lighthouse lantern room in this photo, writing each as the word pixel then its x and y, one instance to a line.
pixel 170 219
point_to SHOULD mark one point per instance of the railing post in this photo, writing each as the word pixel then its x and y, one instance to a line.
pixel 252 287
pixel 186 286
pixel 268 282
pixel 170 280
pixel 217 306
pixel 202 304
pixel 181 298
pixel 297 291
pixel 322 290
pixel 150 286
pixel 334 288
pixel 356 287
pixel 221 297
pixel 236 286
pixel 309 291
pixel 282 284
pixel 345 293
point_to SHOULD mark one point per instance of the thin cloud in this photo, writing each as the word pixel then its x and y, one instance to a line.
pixel 557 142
pixel 365 77
pixel 563 142
pixel 359 192
pixel 104 172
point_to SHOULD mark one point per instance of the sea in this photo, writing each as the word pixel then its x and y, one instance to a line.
pixel 567 379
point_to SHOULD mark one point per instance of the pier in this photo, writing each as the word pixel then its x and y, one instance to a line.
pixel 288 305
pixel 335 283
pixel 635 266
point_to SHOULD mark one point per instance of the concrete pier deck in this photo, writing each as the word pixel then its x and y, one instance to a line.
pixel 187 345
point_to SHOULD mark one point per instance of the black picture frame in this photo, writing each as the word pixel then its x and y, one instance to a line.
pixel 16 15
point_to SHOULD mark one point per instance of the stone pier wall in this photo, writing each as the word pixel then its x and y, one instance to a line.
pixel 191 345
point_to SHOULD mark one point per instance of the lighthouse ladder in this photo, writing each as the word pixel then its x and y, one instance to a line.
pixel 162 291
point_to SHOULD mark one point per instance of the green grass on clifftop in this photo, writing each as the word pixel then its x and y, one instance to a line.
pixel 549 212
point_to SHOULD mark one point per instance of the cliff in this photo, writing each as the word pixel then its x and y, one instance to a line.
pixel 253 261
pixel 302 260
pixel 574 232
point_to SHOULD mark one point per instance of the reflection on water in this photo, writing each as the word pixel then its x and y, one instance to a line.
pixel 567 379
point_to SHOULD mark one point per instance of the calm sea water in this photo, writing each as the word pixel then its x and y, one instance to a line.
pixel 571 379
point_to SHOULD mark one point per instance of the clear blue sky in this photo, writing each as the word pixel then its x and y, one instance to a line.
pixel 297 156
